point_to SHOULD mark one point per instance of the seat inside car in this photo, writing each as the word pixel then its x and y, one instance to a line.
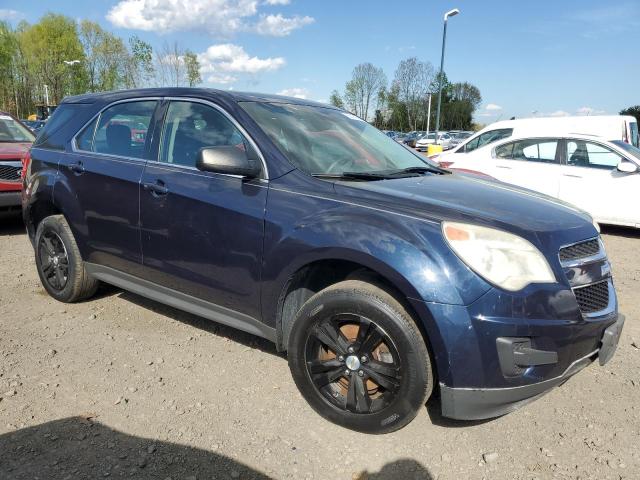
pixel 119 139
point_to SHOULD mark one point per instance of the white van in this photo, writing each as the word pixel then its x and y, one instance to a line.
pixel 610 127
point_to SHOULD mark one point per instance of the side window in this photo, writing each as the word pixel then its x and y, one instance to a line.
pixel 504 151
pixel 84 141
pixel 487 138
pixel 190 126
pixel 592 155
pixel 535 150
pixel 122 129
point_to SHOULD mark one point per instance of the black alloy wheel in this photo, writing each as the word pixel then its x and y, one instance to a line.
pixel 54 260
pixel 353 363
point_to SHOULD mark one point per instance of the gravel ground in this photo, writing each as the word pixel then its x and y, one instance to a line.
pixel 120 386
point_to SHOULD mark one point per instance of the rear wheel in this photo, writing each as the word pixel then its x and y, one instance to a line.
pixel 359 359
pixel 59 263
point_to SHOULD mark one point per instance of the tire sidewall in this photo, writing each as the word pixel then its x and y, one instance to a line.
pixel 416 380
pixel 54 225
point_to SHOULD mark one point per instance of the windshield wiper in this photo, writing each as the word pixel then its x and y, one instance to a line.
pixel 420 169
pixel 354 175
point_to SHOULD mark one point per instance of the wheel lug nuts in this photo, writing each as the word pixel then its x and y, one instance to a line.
pixel 347 372
pixel 350 349
pixel 364 359
pixel 360 373
pixel 341 358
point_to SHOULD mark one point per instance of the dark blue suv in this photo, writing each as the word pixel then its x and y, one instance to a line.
pixel 384 277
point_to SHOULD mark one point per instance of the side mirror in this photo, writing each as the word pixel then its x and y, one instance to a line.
pixel 625 166
pixel 227 159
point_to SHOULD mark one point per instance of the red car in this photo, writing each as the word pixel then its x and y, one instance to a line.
pixel 15 141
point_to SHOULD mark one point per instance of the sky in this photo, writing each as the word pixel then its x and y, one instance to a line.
pixel 527 58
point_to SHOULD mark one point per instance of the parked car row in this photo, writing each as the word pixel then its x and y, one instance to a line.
pixel 15 140
pixel 589 162
pixel 384 276
pixel 421 139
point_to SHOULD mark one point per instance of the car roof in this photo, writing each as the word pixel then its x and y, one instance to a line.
pixel 113 96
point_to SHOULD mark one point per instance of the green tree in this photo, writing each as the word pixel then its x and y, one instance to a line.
pixel 8 53
pixel 192 67
pixel 107 59
pixel 141 69
pixel 45 46
pixel 633 111
pixel 336 100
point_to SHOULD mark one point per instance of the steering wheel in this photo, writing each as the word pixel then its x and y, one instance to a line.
pixel 341 161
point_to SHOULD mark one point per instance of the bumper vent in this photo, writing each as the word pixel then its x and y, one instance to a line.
pixel 593 298
pixel 10 173
pixel 580 250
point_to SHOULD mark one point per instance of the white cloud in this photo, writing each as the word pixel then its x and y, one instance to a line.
pixel 220 18
pixel 493 107
pixel 559 113
pixel 8 14
pixel 589 111
pixel 221 63
pixel 295 92
pixel 277 2
pixel 279 26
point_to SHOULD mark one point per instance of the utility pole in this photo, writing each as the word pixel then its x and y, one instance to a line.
pixel 450 13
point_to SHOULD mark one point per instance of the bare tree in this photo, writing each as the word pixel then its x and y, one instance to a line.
pixel 412 79
pixel 170 66
pixel 365 84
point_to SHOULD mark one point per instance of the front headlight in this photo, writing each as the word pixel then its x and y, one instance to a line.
pixel 506 260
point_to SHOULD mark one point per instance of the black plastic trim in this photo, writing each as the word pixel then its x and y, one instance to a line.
pixel 182 301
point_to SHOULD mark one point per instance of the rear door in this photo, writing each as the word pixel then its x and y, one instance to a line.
pixel 103 174
pixel 530 163
pixel 591 181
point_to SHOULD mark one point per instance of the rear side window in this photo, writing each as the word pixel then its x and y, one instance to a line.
pixel 84 140
pixel 488 137
pixel 122 129
pixel 532 150
pixel 633 126
pixel 60 125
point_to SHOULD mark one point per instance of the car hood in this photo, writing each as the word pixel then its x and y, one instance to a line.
pixel 13 150
pixel 457 197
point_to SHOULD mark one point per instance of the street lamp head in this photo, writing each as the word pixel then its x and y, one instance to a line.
pixel 451 13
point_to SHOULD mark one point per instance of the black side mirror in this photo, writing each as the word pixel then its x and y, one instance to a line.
pixel 227 159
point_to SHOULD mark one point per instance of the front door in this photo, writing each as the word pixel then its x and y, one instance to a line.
pixel 101 176
pixel 591 181
pixel 202 232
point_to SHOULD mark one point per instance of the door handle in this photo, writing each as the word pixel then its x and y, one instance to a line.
pixel 77 168
pixel 157 189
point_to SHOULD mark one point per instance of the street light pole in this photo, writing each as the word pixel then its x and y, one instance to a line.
pixel 450 13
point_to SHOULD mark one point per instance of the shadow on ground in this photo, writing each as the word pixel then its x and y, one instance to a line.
pixel 626 232
pixel 79 448
pixel 11 225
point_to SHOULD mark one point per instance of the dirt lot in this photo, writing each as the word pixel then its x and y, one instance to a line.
pixel 124 387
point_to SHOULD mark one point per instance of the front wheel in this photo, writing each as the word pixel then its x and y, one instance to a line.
pixel 359 359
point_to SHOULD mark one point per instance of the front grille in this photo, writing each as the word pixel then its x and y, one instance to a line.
pixel 9 172
pixel 593 298
pixel 580 250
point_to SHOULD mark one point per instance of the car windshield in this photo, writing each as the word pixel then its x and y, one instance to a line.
pixel 321 140
pixel 13 132
pixel 630 149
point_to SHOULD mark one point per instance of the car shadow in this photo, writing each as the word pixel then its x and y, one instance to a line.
pixel 81 447
pixel 11 225
pixel 626 232
pixel 208 326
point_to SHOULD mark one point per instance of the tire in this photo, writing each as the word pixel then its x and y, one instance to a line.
pixel 389 375
pixel 59 264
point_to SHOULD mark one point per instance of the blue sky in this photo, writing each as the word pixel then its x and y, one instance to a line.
pixel 552 57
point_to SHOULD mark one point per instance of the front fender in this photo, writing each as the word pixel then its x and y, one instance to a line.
pixel 410 253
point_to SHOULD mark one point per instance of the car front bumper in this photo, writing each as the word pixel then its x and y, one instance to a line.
pixel 481 403
pixel 10 199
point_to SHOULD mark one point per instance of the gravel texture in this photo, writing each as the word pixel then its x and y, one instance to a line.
pixel 121 386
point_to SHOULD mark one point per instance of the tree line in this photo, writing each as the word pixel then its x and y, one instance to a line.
pixel 58 56
pixel 404 103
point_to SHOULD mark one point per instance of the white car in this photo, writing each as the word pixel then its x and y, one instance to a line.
pixel 444 139
pixel 594 174
pixel 612 127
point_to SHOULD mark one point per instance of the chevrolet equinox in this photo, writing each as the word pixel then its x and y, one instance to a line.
pixel 383 277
